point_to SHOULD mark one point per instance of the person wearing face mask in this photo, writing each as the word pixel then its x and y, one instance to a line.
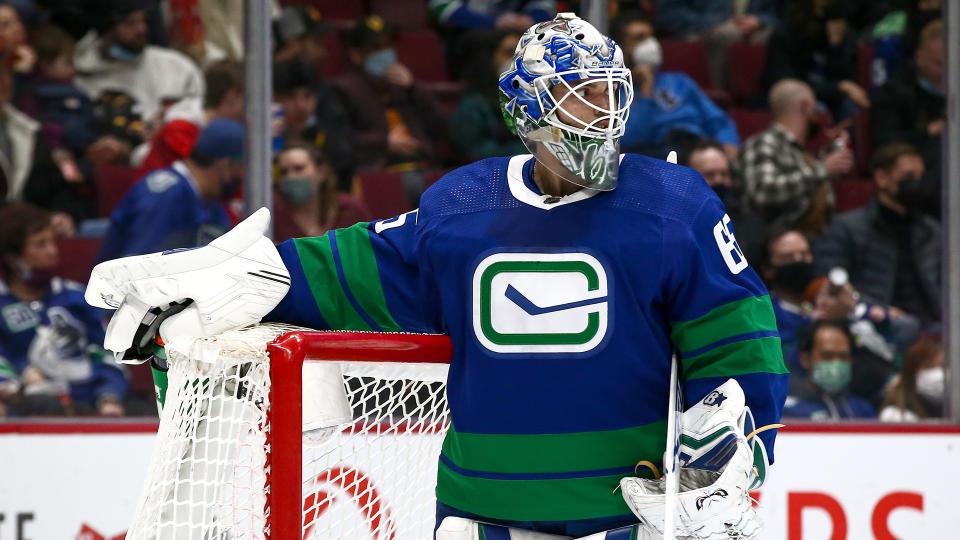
pixel 306 200
pixel 891 250
pixel 709 159
pixel 787 269
pixel 115 57
pixel 911 108
pixel 313 112
pixel 51 358
pixel 181 205
pixel 826 355
pixel 919 390
pixel 669 112
pixel 396 124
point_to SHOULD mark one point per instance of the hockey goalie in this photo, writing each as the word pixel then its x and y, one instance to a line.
pixel 567 280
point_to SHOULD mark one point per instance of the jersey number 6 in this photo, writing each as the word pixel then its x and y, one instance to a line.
pixel 727 242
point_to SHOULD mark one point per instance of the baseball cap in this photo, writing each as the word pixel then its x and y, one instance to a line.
pixel 368 30
pixel 221 138
pixel 298 21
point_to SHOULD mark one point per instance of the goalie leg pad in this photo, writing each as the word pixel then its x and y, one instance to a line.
pixel 716 473
pixel 458 528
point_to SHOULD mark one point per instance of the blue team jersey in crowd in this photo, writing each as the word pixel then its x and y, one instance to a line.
pixel 563 313
pixel 677 103
pixel 162 211
pixel 62 336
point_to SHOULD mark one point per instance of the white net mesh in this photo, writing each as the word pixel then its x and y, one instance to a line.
pixel 372 476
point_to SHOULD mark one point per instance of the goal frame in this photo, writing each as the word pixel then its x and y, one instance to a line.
pixel 288 353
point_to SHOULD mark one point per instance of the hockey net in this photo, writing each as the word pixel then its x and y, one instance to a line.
pixel 256 440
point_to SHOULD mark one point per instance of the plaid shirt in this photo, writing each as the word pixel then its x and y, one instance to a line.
pixel 780 176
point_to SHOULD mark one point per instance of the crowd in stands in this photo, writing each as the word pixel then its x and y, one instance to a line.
pixel 816 122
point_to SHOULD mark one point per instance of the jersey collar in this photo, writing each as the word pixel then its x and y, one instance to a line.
pixel 522 192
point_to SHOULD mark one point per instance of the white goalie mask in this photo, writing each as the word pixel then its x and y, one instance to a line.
pixel 567 96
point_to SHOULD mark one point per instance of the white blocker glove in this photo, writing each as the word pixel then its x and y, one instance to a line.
pixel 232 282
pixel 718 467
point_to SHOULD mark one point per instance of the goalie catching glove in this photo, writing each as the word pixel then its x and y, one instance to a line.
pixel 721 460
pixel 232 282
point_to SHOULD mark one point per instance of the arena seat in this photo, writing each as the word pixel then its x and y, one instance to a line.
pixel 423 52
pixel 384 193
pixel 334 60
pixel 690 57
pixel 112 182
pixel 750 122
pixel 77 256
pixel 852 193
pixel 334 11
pixel 403 14
pixel 744 71
pixel 862 140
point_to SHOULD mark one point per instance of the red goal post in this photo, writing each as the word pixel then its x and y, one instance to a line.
pixel 241 451
pixel 287 355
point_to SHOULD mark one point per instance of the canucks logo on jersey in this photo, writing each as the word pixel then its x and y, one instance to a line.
pixel 540 302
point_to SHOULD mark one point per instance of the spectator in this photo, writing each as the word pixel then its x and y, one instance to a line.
pixel 709 159
pixel 116 59
pixel 513 15
pixel 719 23
pixel 51 359
pixel 816 45
pixel 891 251
pixel 919 390
pixel 788 186
pixel 824 394
pixel 787 269
pixel 307 202
pixel 477 125
pixel 64 111
pixel 179 206
pixel 911 108
pixel 295 32
pixel 13 36
pixel 314 112
pixel 669 110
pixel 872 329
pixel 395 122
pixel 28 170
pixel 223 98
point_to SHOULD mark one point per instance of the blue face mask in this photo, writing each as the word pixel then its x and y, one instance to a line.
pixel 124 54
pixel 929 87
pixel 377 63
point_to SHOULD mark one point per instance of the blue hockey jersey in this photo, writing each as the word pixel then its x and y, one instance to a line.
pixel 71 332
pixel 563 314
pixel 162 211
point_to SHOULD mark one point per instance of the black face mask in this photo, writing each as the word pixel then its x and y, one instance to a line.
pixel 722 191
pixel 793 277
pixel 230 188
pixel 909 193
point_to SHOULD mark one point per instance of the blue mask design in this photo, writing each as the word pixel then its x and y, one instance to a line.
pixel 377 63
pixel 929 87
pixel 124 54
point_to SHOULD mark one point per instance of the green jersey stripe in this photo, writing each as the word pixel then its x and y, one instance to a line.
pixel 316 257
pixel 760 355
pixel 533 500
pixel 532 454
pixel 360 269
pixel 747 316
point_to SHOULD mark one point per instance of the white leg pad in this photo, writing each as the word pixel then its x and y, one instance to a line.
pixel 458 528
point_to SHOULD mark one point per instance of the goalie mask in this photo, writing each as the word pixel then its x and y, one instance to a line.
pixel 567 96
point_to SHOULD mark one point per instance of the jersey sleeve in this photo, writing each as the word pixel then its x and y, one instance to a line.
pixel 365 277
pixel 722 323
